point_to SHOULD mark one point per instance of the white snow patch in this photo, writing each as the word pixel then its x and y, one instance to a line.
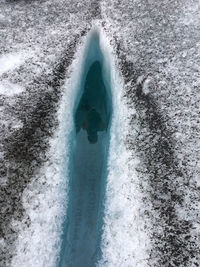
pixel 3 19
pixel 197 179
pixel 145 82
pixel 2 242
pixel 9 89
pixel 146 85
pixel 140 79
pixel 11 61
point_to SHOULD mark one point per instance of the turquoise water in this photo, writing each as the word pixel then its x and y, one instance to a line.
pixel 83 227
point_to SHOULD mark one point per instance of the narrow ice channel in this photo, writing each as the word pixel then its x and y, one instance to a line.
pixel 79 219
pixel 92 116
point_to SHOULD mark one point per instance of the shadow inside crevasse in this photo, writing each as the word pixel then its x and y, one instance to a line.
pixel 92 114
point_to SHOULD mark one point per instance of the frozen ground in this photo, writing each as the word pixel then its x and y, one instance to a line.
pixel 151 214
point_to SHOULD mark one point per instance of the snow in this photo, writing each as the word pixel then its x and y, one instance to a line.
pixel 11 61
pixel 157 45
pixel 2 19
pixel 9 89
pixel 146 85
pixel 8 63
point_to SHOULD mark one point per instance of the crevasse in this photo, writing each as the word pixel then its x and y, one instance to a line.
pixel 88 161
pixel 120 237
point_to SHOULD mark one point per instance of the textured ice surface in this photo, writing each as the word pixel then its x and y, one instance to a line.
pixel 152 204
pixel 159 41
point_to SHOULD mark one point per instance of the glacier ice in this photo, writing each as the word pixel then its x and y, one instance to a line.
pixel 151 208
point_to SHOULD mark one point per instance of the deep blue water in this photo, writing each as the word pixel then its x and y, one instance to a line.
pixel 83 226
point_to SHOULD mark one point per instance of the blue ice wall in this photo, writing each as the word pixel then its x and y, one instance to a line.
pixel 92 116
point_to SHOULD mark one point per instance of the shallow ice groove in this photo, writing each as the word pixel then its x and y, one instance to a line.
pixel 49 194
pixel 82 226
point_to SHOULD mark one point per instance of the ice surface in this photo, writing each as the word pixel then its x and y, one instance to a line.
pixel 152 203
pixel 160 40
